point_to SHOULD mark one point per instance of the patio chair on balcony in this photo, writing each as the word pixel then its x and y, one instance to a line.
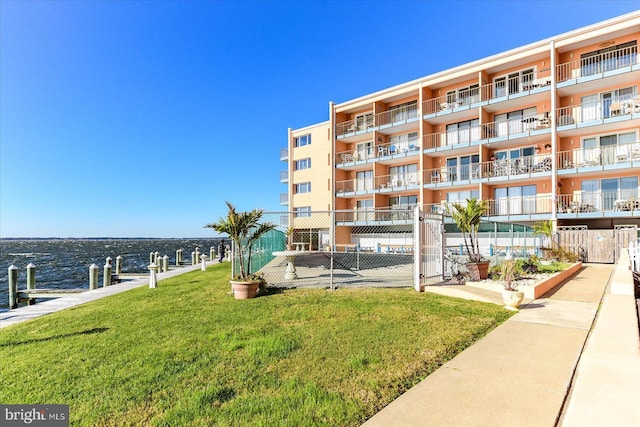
pixel 616 109
pixel 543 166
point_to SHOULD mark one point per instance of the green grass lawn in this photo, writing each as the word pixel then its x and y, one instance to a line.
pixel 188 354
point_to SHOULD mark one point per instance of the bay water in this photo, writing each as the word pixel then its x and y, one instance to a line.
pixel 64 263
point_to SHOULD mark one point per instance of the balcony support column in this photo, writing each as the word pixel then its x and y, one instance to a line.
pixel 554 137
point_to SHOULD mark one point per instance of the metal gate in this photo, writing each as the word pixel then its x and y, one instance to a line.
pixel 597 246
pixel 428 248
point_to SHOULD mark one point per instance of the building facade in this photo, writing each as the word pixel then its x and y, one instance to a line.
pixel 549 130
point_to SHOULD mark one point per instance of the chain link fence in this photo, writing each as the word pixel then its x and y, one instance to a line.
pixel 373 248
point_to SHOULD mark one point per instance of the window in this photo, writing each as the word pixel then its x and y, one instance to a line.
pixel 403 202
pixel 403 143
pixel 610 58
pixel 364 180
pixel 514 122
pixel 304 187
pixel 301 141
pixel 513 83
pixel 602 194
pixel 364 210
pixel 408 110
pixel 303 164
pixel 462 196
pixel 403 175
pixel 606 149
pixel 462 132
pixel 364 151
pixel 599 106
pixel 516 200
pixel 463 96
pixel 302 212
pixel 364 121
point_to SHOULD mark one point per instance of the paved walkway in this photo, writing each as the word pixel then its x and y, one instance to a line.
pixel 28 312
pixel 520 373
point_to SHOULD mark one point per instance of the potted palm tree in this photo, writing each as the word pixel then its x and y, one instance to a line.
pixel 289 233
pixel 511 296
pixel 244 229
pixel 467 218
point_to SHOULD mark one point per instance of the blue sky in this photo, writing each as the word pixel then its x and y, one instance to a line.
pixel 140 118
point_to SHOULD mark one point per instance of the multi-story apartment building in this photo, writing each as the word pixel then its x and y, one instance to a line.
pixel 549 130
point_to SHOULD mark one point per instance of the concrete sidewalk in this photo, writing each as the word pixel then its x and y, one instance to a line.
pixel 517 375
pixel 28 312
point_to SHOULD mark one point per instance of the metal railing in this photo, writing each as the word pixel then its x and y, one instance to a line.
pixel 454 137
pixel 599 156
pixel 598 110
pixel 284 154
pixel 284 176
pixel 518 126
pixel 465 98
pixel 284 198
pixel 597 64
pixel 379 183
pixel 394 117
pixel 375 216
pixel 523 166
pixel 600 201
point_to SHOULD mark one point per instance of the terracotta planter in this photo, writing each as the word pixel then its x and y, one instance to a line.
pixel 512 299
pixel 244 290
pixel 478 270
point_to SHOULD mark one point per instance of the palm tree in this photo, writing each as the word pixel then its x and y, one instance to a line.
pixel 244 228
pixel 467 218
pixel 546 229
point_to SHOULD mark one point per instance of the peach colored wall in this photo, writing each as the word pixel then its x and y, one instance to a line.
pixel 541 106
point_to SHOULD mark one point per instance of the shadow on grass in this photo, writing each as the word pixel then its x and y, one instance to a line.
pixel 55 337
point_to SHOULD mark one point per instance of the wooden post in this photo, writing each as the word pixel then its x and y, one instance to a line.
pixel 93 277
pixel 119 265
pixel 13 287
pixel 178 257
pixel 106 280
pixel 153 279
pixel 31 281
pixel 165 263
pixel 193 258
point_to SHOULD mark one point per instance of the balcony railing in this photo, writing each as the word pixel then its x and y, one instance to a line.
pixel 518 126
pixel 454 137
pixel 521 167
pixel 379 183
pixel 284 176
pixel 601 201
pixel 394 117
pixel 598 111
pixel 597 65
pixel 284 154
pixel 465 98
pixel 377 215
pixel 599 156
pixel 284 199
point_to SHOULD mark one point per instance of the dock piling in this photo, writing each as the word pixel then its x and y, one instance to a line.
pixel 31 280
pixel 153 279
pixel 107 275
pixel 119 265
pixel 13 287
pixel 93 277
pixel 203 266
pixel 165 263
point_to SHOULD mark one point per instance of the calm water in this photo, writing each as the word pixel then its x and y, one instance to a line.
pixel 64 263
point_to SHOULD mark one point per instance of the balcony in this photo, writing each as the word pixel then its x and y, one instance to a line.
pixel 521 127
pixel 393 120
pixel 284 199
pixel 458 138
pixel 490 93
pixel 597 113
pixel 496 170
pixel 378 184
pixel 601 204
pixel 598 66
pixel 284 155
pixel 603 158
pixel 284 176
pixel 389 153
pixel 377 216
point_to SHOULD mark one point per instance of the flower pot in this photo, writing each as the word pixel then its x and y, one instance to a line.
pixel 290 247
pixel 478 270
pixel 512 299
pixel 244 290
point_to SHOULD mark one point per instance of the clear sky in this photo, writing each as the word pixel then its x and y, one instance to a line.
pixel 140 118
